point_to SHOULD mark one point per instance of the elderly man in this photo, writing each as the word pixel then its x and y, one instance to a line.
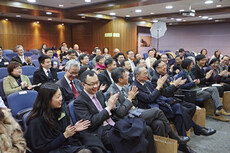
pixel 130 56
pixel 69 85
pixel 4 62
pixel 20 58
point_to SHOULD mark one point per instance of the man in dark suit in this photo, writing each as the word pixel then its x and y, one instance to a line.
pixel 45 73
pixel 25 61
pixel 120 58
pixel 90 105
pixel 149 96
pixel 4 62
pixel 125 106
pixel 69 85
pixel 127 66
pixel 105 76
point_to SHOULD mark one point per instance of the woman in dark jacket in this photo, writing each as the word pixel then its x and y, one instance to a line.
pixel 50 129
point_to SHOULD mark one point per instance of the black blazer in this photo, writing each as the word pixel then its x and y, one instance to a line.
pixel 147 94
pixel 85 109
pixel 67 93
pixel 5 62
pixel 167 90
pixel 40 76
pixel 104 79
pixel 17 59
pixel 199 74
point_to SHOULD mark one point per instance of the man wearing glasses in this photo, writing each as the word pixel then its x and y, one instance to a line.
pixel 69 85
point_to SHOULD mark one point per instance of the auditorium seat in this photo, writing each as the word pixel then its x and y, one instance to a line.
pixel 28 70
pixel 10 55
pixel 6 51
pixel 3 72
pixel 71 110
pixel 33 51
pixel 36 63
pixel 60 74
pixel 28 54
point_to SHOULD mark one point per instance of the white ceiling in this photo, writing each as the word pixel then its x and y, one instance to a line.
pixel 66 3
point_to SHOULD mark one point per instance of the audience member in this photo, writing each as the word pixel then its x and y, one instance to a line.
pixel 20 58
pixel 105 76
pixel 3 60
pixel 12 140
pixel 141 62
pixel 77 50
pixel 106 53
pixel 120 58
pixel 151 70
pixel 42 49
pixel 45 73
pixel 15 81
pixel 71 55
pixel 138 56
pixel 130 57
pixel 127 66
pixel 97 53
pixel 151 55
pixel 49 127
pixel 100 63
pixel 217 54
pixel 84 60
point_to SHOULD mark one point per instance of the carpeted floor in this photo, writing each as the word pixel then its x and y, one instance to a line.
pixel 217 143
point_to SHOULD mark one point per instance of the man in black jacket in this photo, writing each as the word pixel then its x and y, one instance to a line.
pixel 45 73
pixel 105 76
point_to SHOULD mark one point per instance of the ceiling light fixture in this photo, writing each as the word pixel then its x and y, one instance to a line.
pixel 62 24
pixel 49 19
pixel 112 13
pixel 127 16
pixel 37 22
pixel 178 19
pixel 138 10
pixel 87 1
pixel 83 17
pixel 208 2
pixel 209 18
pixel 48 13
pixel 31 1
pixel 172 18
pixel 6 19
pixel 142 22
pixel 184 20
pixel 18 16
pixel 218 5
pixel 169 7
pixel 205 17
pixel 152 13
pixel 99 16
pixel 61 5
pixel 155 21
pixel 181 10
pixel 200 16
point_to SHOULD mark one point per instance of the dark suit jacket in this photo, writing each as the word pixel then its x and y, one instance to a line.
pixel 199 74
pixel 104 79
pixel 215 78
pixel 145 97
pixel 123 105
pixel 85 109
pixel 167 90
pixel 40 76
pixel 5 62
pixel 67 93
pixel 17 59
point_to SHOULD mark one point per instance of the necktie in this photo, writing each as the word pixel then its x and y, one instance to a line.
pixel 99 107
pixel 49 74
pixel 124 93
pixel 74 90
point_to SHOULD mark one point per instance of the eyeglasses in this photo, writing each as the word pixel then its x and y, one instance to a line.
pixel 73 73
pixel 93 84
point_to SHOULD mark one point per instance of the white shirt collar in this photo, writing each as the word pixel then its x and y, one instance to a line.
pixel 119 87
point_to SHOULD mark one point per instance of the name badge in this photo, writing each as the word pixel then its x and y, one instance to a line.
pixel 61 116
pixel 6 63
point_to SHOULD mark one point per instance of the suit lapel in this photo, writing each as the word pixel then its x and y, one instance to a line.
pixel 107 75
pixel 90 102
pixel 66 86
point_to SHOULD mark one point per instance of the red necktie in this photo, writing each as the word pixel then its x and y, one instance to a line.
pixel 74 90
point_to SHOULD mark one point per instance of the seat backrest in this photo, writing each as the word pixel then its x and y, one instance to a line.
pixel 28 70
pixel 71 110
pixel 10 55
pixel 3 72
pixel 146 55
pixel 28 54
pixel 33 51
pixel 6 51
pixel 36 63
pixel 21 100
pixel 60 74
pixel 35 57
pixel 31 77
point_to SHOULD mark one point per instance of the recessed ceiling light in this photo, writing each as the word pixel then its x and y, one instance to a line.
pixel 49 19
pixel 209 18
pixel 155 21
pixel 208 2
pixel 61 5
pixel 184 20
pixel 62 24
pixel 142 22
pixel 200 16
pixel 83 17
pixel 127 16
pixel 112 13
pixel 152 13
pixel 172 18
pixel 205 17
pixel 6 19
pixel 48 13
pixel 37 21
pixel 217 20
pixel 31 1
pixel 169 7
pixel 87 1
pixel 181 10
pixel 178 19
pixel 99 16
pixel 218 5
pixel 18 16
pixel 138 11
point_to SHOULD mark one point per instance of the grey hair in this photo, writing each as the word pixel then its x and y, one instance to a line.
pixel 137 70
pixel 71 63
pixel 17 47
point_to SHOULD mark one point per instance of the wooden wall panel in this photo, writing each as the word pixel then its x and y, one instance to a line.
pixel 32 35
pixel 90 35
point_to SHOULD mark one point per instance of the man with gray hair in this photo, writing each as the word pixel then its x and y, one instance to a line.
pixel 69 85
pixel 20 58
